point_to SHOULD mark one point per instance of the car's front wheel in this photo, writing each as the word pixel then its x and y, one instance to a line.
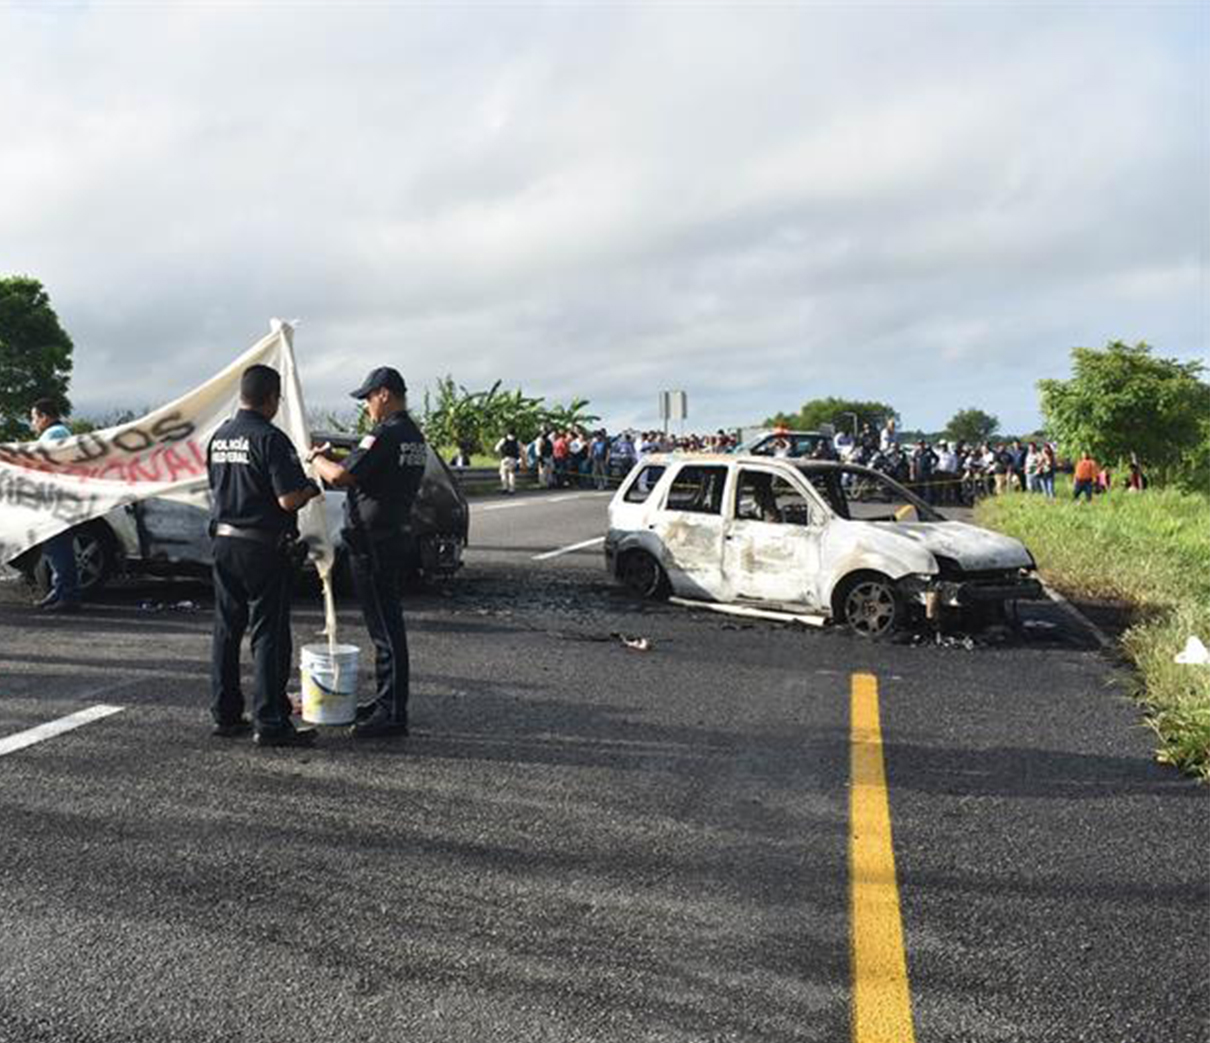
pixel 641 574
pixel 869 603
pixel 96 559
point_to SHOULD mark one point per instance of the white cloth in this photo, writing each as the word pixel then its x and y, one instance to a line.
pixel 47 488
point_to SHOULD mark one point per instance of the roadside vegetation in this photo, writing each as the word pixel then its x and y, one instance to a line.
pixel 1150 552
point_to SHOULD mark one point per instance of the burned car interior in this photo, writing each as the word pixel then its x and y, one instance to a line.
pixel 859 494
pixel 698 490
pixel 770 498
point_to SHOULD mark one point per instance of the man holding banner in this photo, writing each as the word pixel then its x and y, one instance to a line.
pixel 257 485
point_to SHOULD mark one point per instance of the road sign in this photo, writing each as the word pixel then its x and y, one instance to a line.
pixel 674 405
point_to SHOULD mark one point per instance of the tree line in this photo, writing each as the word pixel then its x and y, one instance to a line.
pixel 967 425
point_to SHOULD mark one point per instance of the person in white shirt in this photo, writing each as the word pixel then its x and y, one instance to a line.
pixel 509 450
pixel 946 474
pixel 1033 468
pixel 888 438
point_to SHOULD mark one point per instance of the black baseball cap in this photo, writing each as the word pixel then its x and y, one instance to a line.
pixel 382 377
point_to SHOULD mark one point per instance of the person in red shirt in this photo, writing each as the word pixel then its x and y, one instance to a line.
pixel 1085 477
pixel 562 452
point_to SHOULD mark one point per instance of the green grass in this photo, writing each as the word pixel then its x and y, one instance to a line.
pixel 1152 552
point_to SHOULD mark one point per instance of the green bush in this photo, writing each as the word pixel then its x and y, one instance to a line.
pixel 1124 400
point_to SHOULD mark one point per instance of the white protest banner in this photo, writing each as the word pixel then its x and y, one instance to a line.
pixel 45 489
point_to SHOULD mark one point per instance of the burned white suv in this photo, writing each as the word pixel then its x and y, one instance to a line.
pixel 835 540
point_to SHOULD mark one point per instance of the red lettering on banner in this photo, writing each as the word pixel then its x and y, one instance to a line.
pixel 163 464
pixel 144 469
pixel 178 465
pixel 111 472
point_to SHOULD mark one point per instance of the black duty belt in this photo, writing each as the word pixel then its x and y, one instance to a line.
pixel 269 537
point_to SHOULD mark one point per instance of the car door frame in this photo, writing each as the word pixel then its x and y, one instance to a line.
pixel 692 541
pixel 790 548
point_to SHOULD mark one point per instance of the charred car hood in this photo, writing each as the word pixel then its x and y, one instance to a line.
pixel 973 548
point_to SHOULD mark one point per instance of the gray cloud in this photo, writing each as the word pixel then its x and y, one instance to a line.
pixel 760 205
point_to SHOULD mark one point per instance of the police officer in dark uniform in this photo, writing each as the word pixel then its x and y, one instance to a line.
pixel 382 475
pixel 257 486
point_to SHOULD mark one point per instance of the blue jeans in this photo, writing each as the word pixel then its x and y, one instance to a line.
pixel 1082 488
pixel 60 554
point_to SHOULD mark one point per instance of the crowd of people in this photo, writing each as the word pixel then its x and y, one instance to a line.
pixel 942 472
pixel 953 471
pixel 949 472
pixel 575 457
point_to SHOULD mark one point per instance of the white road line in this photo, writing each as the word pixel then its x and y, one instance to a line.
pixel 48 731
pixel 568 550
pixel 537 501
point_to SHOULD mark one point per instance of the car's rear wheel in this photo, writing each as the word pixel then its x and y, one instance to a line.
pixel 642 575
pixel 869 603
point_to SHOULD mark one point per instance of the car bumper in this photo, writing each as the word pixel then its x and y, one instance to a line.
pixel 979 592
pixel 935 593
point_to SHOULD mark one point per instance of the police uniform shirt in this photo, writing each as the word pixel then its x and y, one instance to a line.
pixel 388 464
pixel 251 463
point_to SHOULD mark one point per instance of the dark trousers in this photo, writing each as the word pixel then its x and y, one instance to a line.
pixel 253 584
pixel 378 577
pixel 60 554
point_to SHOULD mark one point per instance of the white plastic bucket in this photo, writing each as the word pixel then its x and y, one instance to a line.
pixel 329 683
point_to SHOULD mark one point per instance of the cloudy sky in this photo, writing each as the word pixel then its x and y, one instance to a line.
pixel 923 204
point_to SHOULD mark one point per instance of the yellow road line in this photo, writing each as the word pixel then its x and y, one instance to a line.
pixel 882 1001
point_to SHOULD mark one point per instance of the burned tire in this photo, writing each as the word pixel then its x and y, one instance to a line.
pixel 869 603
pixel 643 576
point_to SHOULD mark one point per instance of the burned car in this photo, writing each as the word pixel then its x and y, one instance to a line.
pixel 794 536
pixel 169 538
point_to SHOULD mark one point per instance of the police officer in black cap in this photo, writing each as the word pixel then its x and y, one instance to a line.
pixel 382 475
pixel 257 487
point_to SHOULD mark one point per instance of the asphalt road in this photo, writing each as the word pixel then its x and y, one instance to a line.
pixel 585 842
